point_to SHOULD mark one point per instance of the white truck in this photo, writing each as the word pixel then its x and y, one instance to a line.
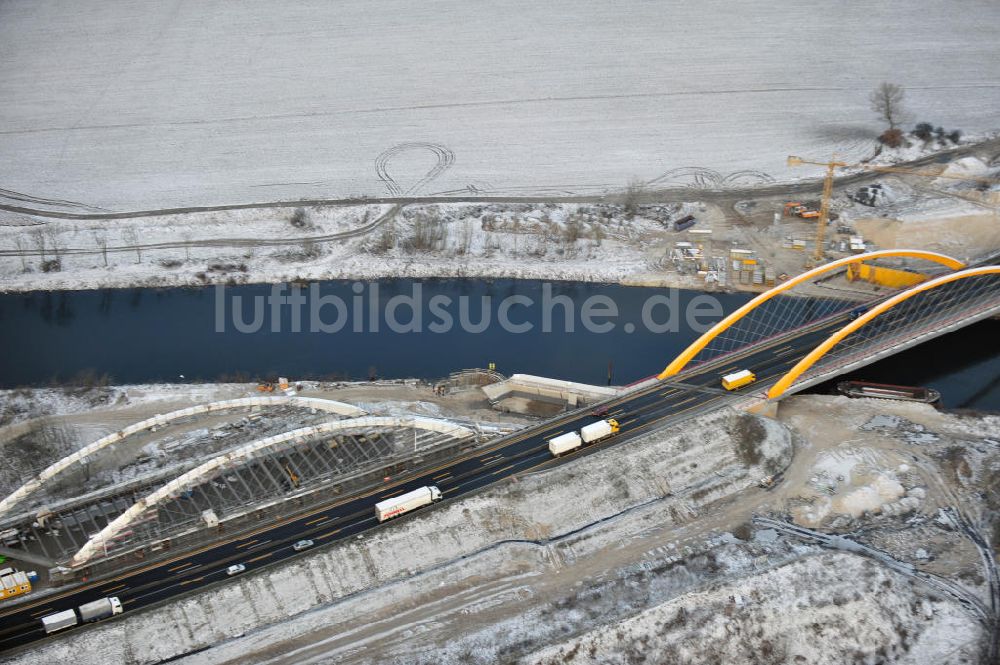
pixel 569 441
pixel 404 503
pixel 59 620
pixel 564 443
pixel 96 610
pixel 602 429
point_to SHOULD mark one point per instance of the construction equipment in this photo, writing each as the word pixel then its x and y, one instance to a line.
pixel 824 209
pixel 824 205
pixel 292 476
pixel 800 210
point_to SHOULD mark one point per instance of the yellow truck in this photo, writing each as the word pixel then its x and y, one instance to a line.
pixel 737 380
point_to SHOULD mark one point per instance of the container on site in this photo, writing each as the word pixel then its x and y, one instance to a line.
pixel 738 379
pixel 564 443
pixel 685 222
pixel 599 430
pixel 59 620
pixel 13 583
pixel 100 609
pixel 404 503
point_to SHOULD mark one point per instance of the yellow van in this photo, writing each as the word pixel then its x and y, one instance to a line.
pixel 737 380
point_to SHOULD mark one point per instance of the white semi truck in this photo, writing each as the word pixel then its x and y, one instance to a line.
pixel 404 503
pixel 95 610
pixel 569 441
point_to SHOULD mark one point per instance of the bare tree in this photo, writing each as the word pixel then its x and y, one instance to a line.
pixel 38 236
pixel 598 232
pixel 131 238
pixel 101 240
pixel 186 237
pixel 887 101
pixel 632 197
pixel 20 252
pixel 53 243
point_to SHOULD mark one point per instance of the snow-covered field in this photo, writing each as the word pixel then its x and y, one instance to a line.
pixel 133 104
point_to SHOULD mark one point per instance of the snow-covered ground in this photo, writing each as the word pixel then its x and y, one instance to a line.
pixel 800 613
pixel 133 105
pixel 593 243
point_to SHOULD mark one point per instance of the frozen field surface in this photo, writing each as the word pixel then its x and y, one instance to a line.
pixel 132 105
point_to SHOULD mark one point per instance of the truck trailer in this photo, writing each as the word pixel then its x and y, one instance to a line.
pixel 564 443
pixel 59 620
pixel 96 610
pixel 404 503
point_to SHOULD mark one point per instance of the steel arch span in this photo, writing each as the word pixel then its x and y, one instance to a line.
pixel 786 381
pixel 691 351
pixel 80 456
pixel 214 465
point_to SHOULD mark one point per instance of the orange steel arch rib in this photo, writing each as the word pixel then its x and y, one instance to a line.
pixel 685 357
pixel 786 381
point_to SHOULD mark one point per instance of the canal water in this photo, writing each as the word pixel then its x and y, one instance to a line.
pixel 405 328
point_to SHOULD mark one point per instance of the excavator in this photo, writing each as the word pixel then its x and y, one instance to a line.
pixel 800 210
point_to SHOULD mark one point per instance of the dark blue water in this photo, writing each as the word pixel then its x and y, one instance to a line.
pixel 964 366
pixel 143 335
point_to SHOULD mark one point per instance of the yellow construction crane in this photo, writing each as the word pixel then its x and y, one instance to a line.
pixel 831 166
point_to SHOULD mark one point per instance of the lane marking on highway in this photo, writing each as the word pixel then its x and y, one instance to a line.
pixel 617 412
pixel 183 565
pixel 197 579
pixel 247 543
pixel 256 545
pixel 392 494
pixel 683 402
pixel 629 422
pixel 260 558
pixel 509 466
pixel 670 391
pixel 41 612
pixel 548 435
pixel 320 520
pixel 442 476
pixel 728 369
pixel 114 588
pixel 786 352
pixel 502 442
pixel 330 533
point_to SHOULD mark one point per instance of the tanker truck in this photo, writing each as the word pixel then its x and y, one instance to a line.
pixel 99 609
pixel 404 503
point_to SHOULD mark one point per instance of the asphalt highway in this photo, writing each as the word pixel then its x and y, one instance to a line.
pixel 639 412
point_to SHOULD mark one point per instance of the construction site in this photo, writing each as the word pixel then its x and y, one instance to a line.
pixel 535 333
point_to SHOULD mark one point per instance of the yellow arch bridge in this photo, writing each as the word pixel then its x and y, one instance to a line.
pixel 981 293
